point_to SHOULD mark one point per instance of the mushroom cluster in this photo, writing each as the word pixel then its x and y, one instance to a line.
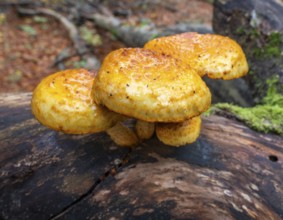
pixel 159 85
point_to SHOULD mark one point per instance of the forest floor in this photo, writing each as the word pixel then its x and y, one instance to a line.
pixel 29 45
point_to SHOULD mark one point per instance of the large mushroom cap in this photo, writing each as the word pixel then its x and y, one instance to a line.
pixel 149 86
pixel 211 54
pixel 63 102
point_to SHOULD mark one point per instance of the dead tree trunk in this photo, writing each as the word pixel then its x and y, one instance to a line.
pixel 231 172
pixel 257 26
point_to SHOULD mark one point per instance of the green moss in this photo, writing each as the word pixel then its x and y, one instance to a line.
pixel 240 31
pixel 272 97
pixel 262 45
pixel 271 46
pixel 265 117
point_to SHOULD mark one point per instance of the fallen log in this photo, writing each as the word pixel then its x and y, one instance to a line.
pixel 231 172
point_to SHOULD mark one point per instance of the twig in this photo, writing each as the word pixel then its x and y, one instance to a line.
pixel 91 61
pixel 159 3
pixel 23 2
pixel 73 31
pixel 130 35
pixel 62 56
pixel 137 36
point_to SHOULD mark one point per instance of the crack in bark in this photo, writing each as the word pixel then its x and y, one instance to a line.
pixel 112 171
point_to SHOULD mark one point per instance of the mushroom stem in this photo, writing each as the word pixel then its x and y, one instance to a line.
pixel 144 129
pixel 122 135
pixel 177 134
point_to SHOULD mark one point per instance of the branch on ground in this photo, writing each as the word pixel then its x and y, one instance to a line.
pixel 74 35
pixel 137 36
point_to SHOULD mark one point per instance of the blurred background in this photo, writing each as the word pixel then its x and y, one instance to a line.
pixel 41 37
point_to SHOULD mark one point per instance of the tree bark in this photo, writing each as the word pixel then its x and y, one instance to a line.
pixel 231 172
pixel 257 26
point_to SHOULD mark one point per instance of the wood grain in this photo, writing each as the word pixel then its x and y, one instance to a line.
pixel 231 172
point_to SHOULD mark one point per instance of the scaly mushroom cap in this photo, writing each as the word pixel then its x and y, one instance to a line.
pixel 211 54
pixel 149 86
pixel 177 134
pixel 63 102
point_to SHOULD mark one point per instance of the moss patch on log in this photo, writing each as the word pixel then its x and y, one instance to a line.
pixel 262 45
pixel 271 48
pixel 265 117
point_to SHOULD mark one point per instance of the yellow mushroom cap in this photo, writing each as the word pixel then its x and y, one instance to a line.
pixel 64 102
pixel 149 86
pixel 211 54
pixel 177 134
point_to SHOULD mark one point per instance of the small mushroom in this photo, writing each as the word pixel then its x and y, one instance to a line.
pixel 217 56
pixel 144 129
pixel 177 134
pixel 64 102
pixel 150 86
